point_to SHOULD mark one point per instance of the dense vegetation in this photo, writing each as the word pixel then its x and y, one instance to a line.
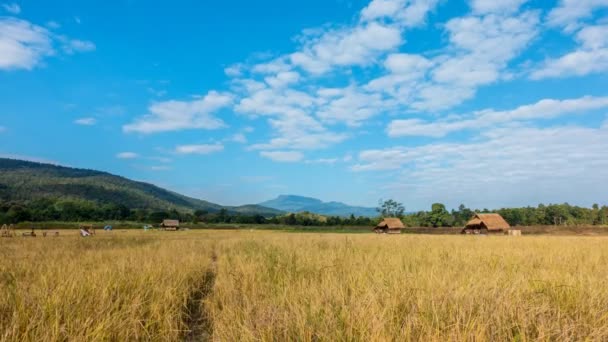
pixel 41 210
pixel 42 192
pixel 49 192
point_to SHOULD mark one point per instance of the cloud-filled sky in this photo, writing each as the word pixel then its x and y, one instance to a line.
pixel 489 103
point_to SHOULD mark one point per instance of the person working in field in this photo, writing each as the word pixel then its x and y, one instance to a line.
pixel 84 232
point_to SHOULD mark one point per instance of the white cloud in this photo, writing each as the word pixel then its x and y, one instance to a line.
pixel 402 63
pixel 199 149
pixel 178 115
pixel 71 46
pixel 86 121
pixel 275 66
pixel 352 107
pixel 509 162
pixel 356 46
pixel 543 109
pixel 407 13
pixel 12 8
pixel 590 57
pixel 569 13
pixel 496 6
pixel 282 79
pixel 235 70
pixel 127 155
pixel 487 44
pixel 24 45
pixel 283 156
pixel 479 52
pixel 285 90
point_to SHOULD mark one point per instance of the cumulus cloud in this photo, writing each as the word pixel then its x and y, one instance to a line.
pixel 199 149
pixel 508 161
pixel 591 56
pixel 543 109
pixel 356 46
pixel 496 6
pixel 24 45
pixel 569 13
pixel 86 121
pixel 282 79
pixel 286 92
pixel 283 156
pixel 407 13
pixel 481 46
pixel 178 115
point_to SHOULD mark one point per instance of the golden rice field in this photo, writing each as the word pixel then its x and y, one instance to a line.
pixel 277 286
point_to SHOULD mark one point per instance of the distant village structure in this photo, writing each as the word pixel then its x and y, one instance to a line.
pixel 170 225
pixel 486 223
pixel 390 225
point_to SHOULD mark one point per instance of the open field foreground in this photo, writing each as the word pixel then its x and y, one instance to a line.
pixel 261 285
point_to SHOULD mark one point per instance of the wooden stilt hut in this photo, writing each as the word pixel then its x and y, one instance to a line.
pixel 170 225
pixel 486 223
pixel 390 225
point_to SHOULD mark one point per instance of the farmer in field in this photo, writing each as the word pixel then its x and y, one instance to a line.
pixel 84 232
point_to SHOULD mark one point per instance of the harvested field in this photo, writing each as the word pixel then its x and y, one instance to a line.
pixel 261 285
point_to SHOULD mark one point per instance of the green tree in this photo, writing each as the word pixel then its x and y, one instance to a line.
pixel 390 208
pixel 439 216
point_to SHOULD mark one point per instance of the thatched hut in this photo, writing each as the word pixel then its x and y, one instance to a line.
pixel 486 223
pixel 170 225
pixel 390 225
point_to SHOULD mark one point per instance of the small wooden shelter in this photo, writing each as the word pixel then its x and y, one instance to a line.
pixel 390 225
pixel 170 225
pixel 486 223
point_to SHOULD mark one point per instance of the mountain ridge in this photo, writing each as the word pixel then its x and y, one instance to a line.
pixel 23 181
pixel 296 203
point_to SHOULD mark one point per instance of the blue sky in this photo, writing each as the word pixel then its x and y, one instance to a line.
pixel 489 103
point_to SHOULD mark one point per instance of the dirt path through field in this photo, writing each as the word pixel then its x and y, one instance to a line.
pixel 200 325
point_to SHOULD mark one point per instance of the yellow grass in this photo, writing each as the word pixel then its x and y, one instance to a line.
pixel 250 286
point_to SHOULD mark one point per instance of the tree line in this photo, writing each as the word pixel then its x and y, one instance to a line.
pixel 42 210
pixel 552 214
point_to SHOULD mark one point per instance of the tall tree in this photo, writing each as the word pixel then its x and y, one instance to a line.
pixel 390 208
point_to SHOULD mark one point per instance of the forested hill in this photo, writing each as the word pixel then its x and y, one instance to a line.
pixel 25 181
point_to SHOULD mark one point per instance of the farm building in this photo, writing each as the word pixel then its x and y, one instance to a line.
pixel 170 225
pixel 390 225
pixel 486 223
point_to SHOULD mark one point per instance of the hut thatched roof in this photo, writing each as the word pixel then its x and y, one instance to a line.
pixel 170 223
pixel 391 223
pixel 490 221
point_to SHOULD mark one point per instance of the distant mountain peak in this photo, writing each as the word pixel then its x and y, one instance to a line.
pixel 297 203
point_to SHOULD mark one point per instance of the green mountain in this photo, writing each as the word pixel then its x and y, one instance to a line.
pixel 24 181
